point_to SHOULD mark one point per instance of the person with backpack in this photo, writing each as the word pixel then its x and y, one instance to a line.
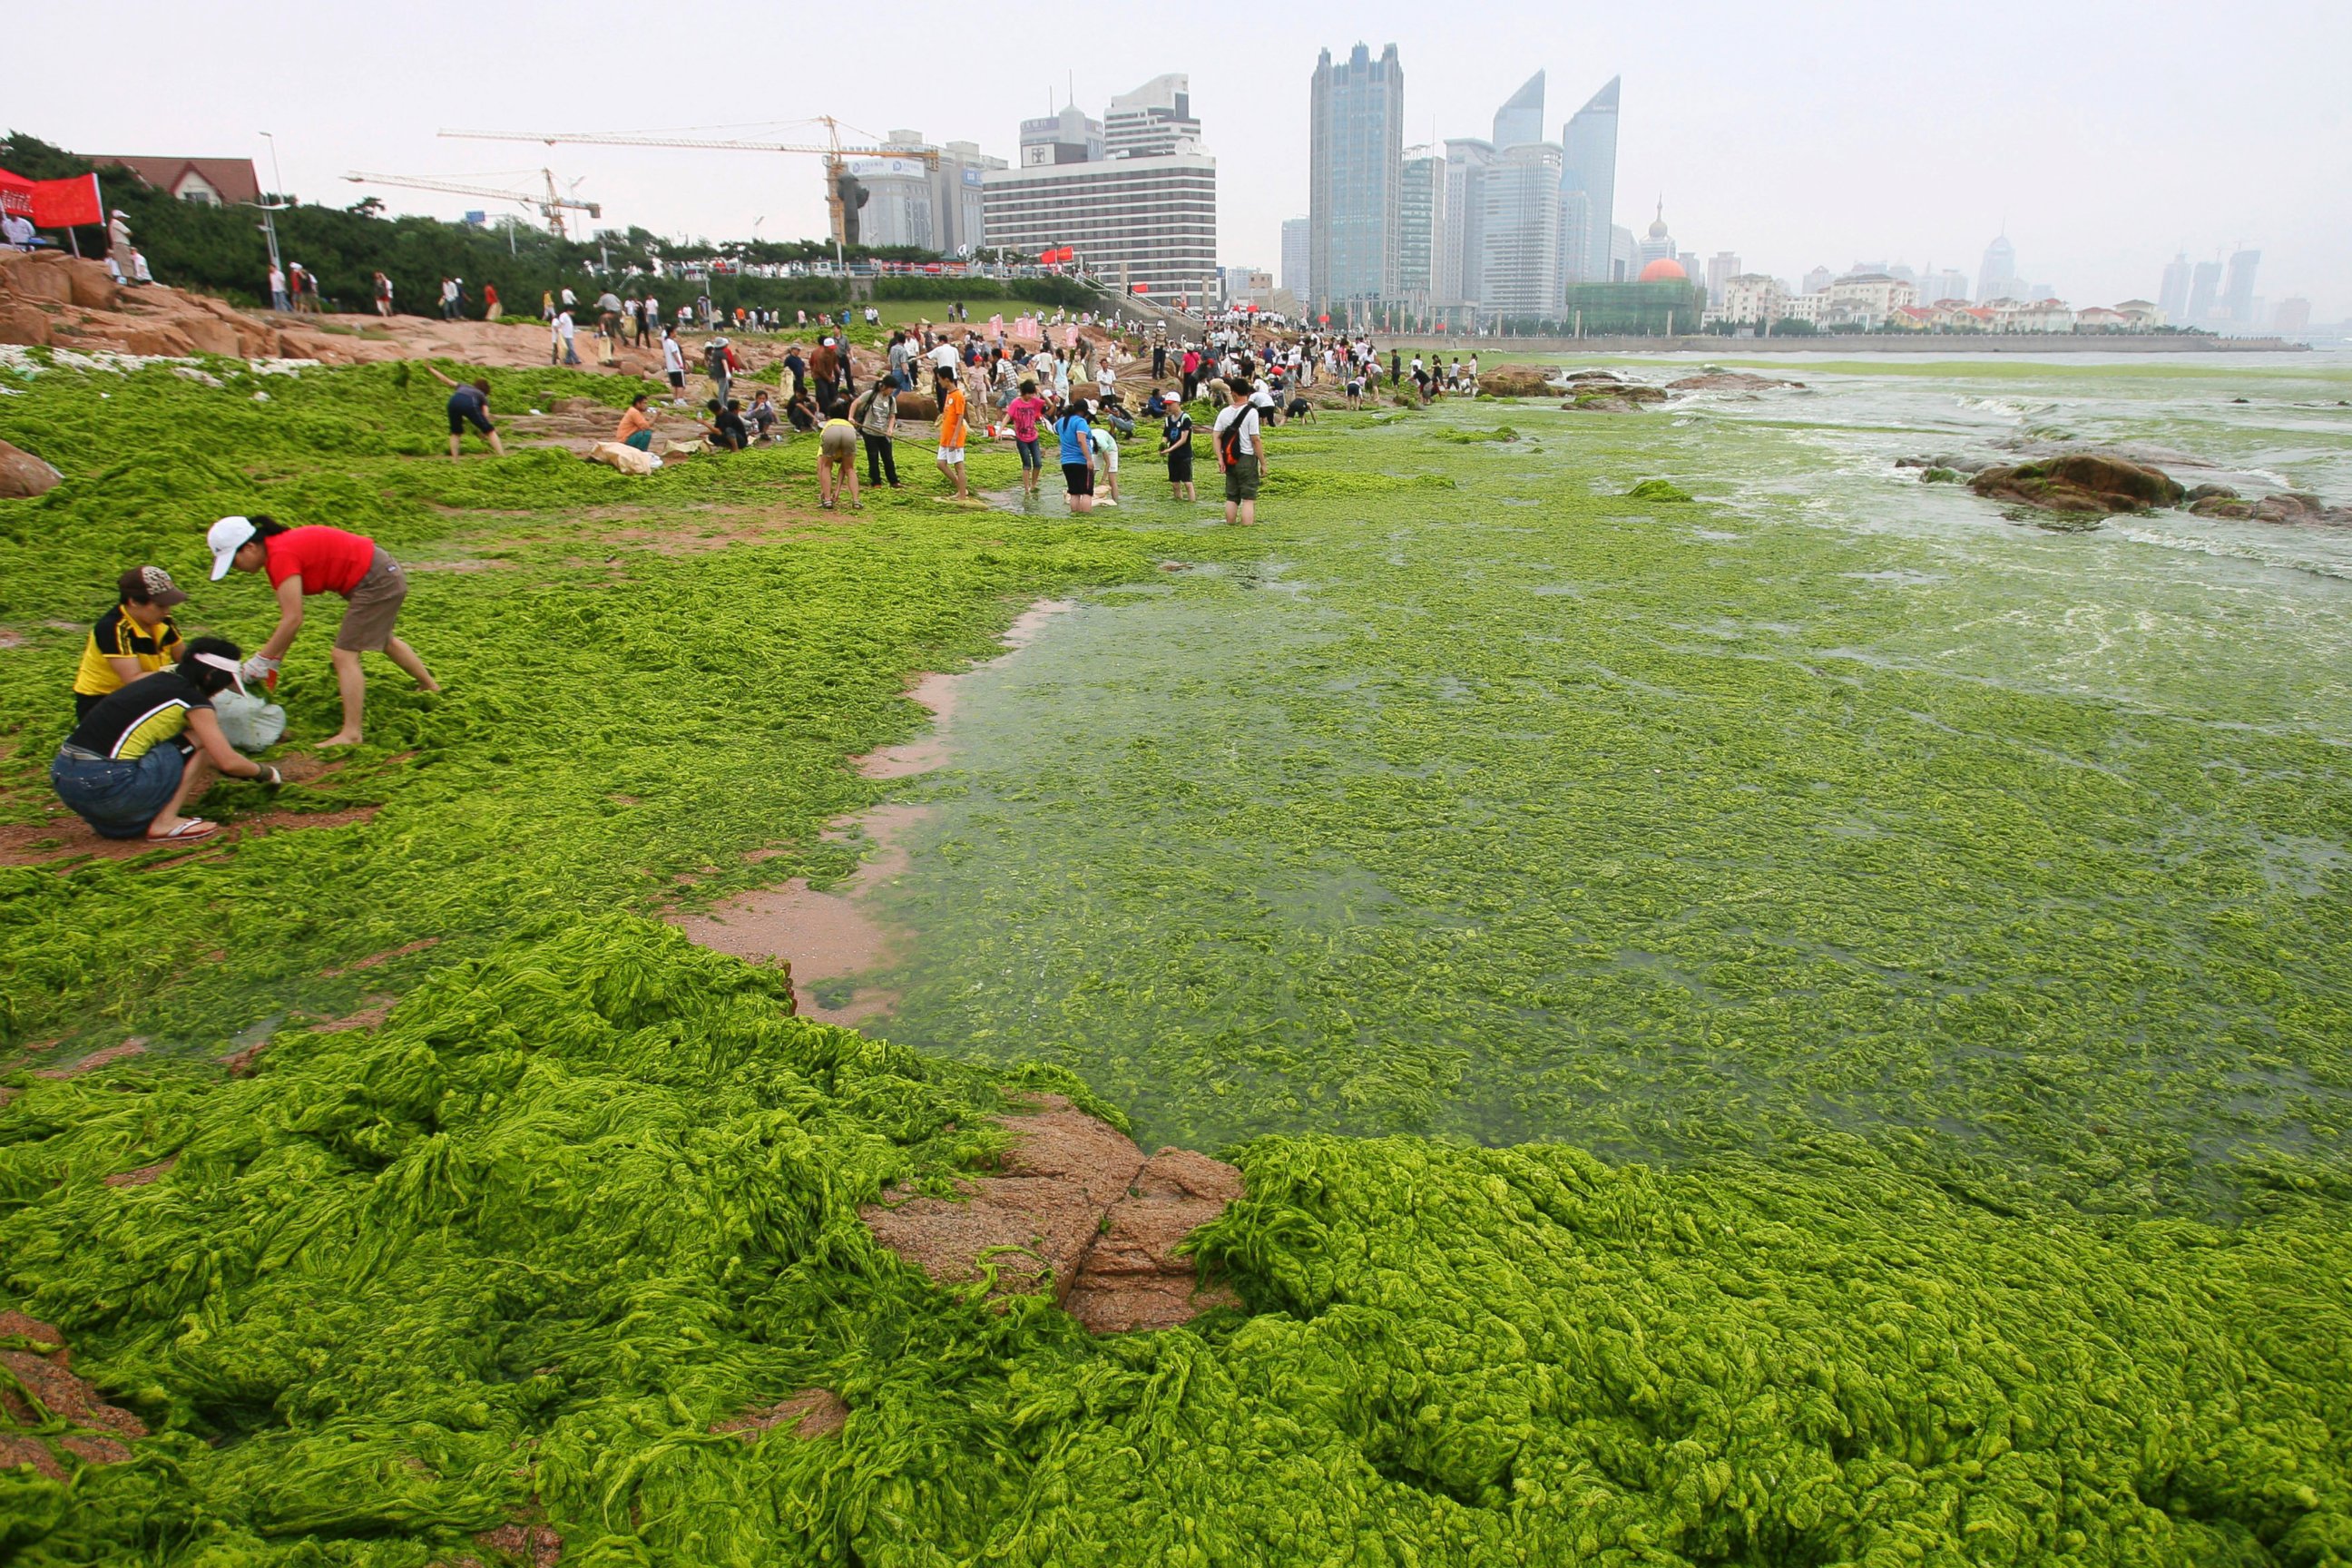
pixel 1241 453
pixel 876 414
pixel 1078 455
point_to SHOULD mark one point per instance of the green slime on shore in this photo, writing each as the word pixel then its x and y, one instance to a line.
pixel 590 1190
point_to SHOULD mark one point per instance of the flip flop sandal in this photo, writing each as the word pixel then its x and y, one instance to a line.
pixel 188 831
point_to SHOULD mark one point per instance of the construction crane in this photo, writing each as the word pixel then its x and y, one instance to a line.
pixel 835 155
pixel 551 207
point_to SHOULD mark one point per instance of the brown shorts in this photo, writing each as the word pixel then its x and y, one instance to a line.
pixel 374 605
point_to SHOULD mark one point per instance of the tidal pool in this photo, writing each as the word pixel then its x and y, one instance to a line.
pixel 1830 804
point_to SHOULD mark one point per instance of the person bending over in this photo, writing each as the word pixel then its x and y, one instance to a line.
pixel 144 752
pixel 302 561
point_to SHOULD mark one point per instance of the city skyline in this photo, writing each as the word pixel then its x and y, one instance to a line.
pixel 1933 153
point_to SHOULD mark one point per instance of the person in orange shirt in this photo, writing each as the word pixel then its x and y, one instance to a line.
pixel 951 433
pixel 637 428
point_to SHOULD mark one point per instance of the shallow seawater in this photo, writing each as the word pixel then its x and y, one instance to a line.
pixel 1831 804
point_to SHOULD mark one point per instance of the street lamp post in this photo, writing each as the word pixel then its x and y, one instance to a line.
pixel 269 208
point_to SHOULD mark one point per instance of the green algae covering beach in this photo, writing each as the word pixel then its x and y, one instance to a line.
pixel 1805 1024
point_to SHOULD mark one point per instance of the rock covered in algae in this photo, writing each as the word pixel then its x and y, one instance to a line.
pixel 2080 482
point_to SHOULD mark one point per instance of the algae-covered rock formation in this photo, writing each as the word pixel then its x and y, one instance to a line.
pixel 2287 505
pixel 1658 490
pixel 1515 380
pixel 1614 397
pixel 2080 482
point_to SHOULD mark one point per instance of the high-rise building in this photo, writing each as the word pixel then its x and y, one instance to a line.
pixel 1141 218
pixel 1153 120
pixel 2292 317
pixel 1355 177
pixel 2204 286
pixel 1624 255
pixel 1421 227
pixel 1588 183
pixel 1294 257
pixel 1520 119
pixel 1521 272
pixel 2238 293
pixel 1070 137
pixel 1947 283
pixel 2173 298
pixel 1721 269
pixel 1519 241
pixel 1818 280
pixel 938 208
pixel 1460 269
pixel 898 210
pixel 1997 278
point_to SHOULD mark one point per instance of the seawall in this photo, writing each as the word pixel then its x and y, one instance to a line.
pixel 1845 343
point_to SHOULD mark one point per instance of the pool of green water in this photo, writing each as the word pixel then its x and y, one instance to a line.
pixel 1829 803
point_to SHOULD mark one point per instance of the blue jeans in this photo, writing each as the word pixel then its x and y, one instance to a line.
pixel 119 799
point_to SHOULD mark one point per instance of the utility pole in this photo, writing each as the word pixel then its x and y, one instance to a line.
pixel 269 221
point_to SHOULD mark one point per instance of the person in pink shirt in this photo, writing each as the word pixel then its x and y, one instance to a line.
pixel 1025 412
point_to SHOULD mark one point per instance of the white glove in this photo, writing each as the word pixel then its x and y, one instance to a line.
pixel 259 667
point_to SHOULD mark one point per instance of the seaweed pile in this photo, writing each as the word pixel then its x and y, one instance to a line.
pixel 528 1255
pixel 563 1256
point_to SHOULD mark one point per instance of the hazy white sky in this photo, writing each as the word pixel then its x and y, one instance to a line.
pixel 2106 134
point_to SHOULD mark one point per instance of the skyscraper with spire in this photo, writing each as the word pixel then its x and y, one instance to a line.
pixel 1588 188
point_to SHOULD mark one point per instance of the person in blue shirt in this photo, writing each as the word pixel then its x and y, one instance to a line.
pixel 1078 455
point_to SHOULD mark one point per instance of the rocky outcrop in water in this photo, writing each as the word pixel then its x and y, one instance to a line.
pixel 1516 380
pixel 2287 505
pixel 1614 397
pixel 1730 380
pixel 2081 482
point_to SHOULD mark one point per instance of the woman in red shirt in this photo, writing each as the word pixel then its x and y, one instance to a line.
pixel 318 559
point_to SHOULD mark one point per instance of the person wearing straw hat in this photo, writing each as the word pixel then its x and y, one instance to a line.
pixel 147 750
pixel 301 562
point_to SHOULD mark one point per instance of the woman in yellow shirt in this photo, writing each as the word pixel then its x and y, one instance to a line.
pixel 136 638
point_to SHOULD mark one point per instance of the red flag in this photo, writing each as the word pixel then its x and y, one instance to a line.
pixel 1048 255
pixel 62 203
pixel 1068 253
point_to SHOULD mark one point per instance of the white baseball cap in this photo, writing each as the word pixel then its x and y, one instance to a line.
pixel 225 538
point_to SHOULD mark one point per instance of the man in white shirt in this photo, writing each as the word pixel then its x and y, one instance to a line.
pixel 943 358
pixel 277 288
pixel 17 229
pixel 1241 453
pixel 563 331
pixel 674 367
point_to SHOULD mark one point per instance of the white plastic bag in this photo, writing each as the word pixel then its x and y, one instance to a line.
pixel 250 723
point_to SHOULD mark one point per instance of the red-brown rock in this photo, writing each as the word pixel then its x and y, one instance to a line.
pixel 1084 1217
pixel 22 474
pixel 2080 482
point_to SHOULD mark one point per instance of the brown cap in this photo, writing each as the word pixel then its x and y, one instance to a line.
pixel 150 585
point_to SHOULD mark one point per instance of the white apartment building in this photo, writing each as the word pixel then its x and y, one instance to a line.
pixel 1152 221
pixel 1868 298
pixel 1752 299
pixel 1153 120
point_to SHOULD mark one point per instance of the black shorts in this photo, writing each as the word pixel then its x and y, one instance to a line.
pixel 1179 466
pixel 478 420
pixel 1079 477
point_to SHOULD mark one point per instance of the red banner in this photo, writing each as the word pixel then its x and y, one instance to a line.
pixel 52 204
pixel 62 204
